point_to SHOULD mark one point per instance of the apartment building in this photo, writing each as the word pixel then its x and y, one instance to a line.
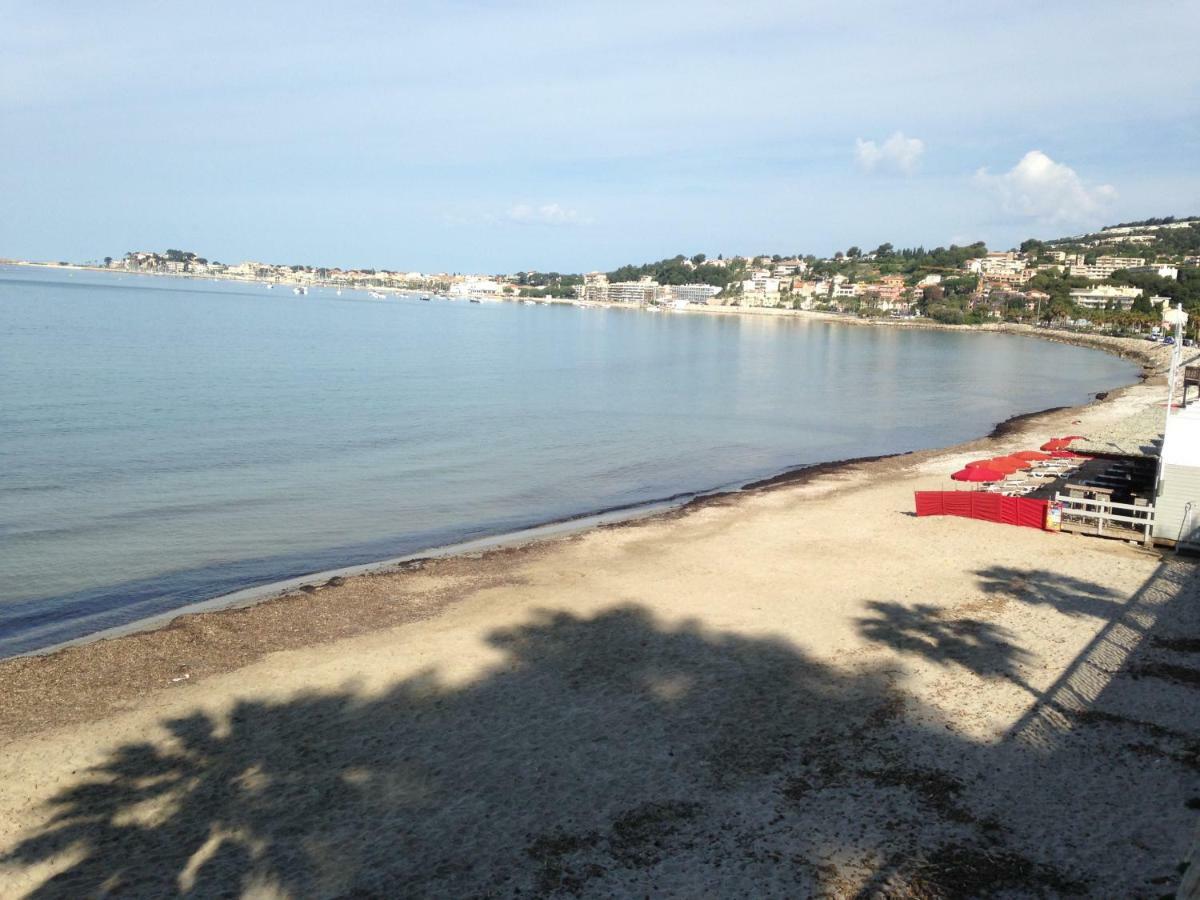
pixel 889 289
pixel 692 293
pixel 1010 279
pixel 644 290
pixel 594 288
pixel 761 281
pixel 1001 263
pixel 1105 296
pixel 1104 266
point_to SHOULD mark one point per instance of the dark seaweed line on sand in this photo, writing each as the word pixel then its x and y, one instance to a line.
pixel 675 505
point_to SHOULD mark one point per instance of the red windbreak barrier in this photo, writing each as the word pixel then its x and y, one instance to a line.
pixel 983 506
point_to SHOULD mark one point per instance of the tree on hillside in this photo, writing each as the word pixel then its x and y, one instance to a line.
pixel 677 271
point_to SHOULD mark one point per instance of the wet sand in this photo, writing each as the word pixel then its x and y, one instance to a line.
pixel 798 690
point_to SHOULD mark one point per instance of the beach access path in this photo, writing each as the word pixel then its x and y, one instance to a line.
pixel 801 690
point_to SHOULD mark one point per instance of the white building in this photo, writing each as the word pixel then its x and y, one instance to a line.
pixel 1104 296
pixel 594 288
pixel 1160 271
pixel 1001 263
pixel 1105 266
pixel 645 290
pixel 761 284
pixel 786 267
pixel 476 287
pixel 1177 498
pixel 692 293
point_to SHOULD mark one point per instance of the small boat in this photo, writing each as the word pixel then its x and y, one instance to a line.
pixel 300 291
pixel 339 292
pixel 426 299
pixel 377 295
pixel 473 300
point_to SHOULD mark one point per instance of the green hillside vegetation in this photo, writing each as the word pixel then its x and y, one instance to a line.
pixel 547 284
pixel 677 270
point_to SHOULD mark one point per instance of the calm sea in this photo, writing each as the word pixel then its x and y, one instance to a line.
pixel 164 441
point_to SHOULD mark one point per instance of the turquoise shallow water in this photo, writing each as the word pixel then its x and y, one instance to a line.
pixel 164 441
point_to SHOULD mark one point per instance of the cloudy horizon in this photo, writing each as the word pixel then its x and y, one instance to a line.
pixel 477 136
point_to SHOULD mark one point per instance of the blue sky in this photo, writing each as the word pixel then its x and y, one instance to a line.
pixel 488 136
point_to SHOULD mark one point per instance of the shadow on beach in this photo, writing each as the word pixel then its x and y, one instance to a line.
pixel 613 756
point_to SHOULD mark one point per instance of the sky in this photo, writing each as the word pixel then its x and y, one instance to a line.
pixel 563 136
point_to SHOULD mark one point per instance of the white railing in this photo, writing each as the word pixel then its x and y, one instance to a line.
pixel 1098 513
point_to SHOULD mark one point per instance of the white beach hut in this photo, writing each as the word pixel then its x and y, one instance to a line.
pixel 1177 503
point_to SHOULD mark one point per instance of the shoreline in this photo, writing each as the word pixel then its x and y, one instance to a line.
pixel 279 596
pixel 546 536
pixel 538 533
pixel 1108 343
pixel 822 676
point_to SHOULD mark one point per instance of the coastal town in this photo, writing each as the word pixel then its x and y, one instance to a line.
pixel 1116 280
pixel 566 451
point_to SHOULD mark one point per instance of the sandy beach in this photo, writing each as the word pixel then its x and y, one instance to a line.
pixel 801 690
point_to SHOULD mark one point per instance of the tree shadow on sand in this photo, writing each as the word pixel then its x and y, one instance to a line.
pixel 1038 587
pixel 925 630
pixel 985 648
pixel 602 756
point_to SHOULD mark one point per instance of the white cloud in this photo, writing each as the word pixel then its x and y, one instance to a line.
pixel 1039 188
pixel 896 154
pixel 544 214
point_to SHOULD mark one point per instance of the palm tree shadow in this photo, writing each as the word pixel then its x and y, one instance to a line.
pixel 590 742
pixel 924 630
pixel 600 756
pixel 1038 587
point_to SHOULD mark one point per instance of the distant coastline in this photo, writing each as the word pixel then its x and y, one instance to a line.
pixel 1117 346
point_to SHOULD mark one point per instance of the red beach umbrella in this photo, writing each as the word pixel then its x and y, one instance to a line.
pixel 985 463
pixel 1064 454
pixel 1010 462
pixel 1056 444
pixel 1031 455
pixel 977 473
pixel 1006 460
pixel 1003 465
